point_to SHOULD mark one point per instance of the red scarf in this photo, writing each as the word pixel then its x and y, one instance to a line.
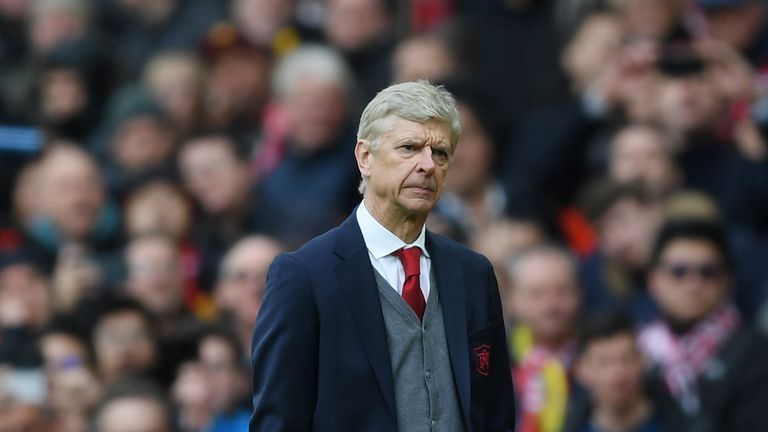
pixel 683 357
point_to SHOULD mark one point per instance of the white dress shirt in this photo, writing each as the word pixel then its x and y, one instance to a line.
pixel 381 243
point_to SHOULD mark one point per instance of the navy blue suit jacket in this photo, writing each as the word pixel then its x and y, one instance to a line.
pixel 320 354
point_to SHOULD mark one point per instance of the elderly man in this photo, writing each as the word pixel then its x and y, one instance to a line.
pixel 379 325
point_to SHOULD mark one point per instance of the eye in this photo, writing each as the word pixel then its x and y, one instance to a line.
pixel 441 156
pixel 408 148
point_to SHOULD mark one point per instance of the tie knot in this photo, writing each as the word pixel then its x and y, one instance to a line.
pixel 410 260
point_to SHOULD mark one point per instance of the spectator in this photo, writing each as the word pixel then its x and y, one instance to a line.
pixel 154 278
pixel 702 343
pixel 138 405
pixel 742 24
pixel 626 219
pixel 123 341
pixel 641 153
pixel 426 56
pixel 241 282
pixel 544 302
pixel 175 80
pixel 212 391
pixel 25 306
pixel 73 389
pixel 313 185
pixel 74 85
pixel 141 139
pixel 152 26
pixel 609 364
pixel 237 83
pixel 367 49
pixel 216 175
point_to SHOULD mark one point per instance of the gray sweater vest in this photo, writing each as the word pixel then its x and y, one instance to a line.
pixel 425 394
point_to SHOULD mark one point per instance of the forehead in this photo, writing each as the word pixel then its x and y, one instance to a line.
pixel 690 248
pixel 431 131
pixel 619 342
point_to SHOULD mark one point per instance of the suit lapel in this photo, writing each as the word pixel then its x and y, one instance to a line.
pixel 359 286
pixel 450 283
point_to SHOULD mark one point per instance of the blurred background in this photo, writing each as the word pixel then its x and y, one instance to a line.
pixel 156 155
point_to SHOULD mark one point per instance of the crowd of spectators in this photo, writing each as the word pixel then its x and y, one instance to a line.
pixel 156 155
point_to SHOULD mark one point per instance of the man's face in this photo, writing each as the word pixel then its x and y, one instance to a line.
pixel 627 231
pixel 545 296
pixel 406 174
pixel 154 275
pixel 226 380
pixel 315 111
pixel 243 277
pixel 123 345
pixel 133 414
pixel 212 174
pixel 72 193
pixel 611 369
pixel 24 296
pixel 343 18
pixel 690 281
pixel 687 104
pixel 640 154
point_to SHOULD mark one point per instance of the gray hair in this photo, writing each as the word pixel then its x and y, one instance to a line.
pixel 313 61
pixel 417 101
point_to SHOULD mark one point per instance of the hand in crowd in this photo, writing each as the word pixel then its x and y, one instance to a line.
pixel 74 277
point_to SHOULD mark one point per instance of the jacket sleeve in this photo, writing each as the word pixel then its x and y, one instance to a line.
pixel 285 351
pixel 501 403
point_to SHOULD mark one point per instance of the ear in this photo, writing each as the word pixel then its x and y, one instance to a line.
pixel 363 156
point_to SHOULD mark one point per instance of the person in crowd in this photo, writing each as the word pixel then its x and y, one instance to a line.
pixel 153 26
pixel 73 388
pixel 212 391
pixel 543 304
pixel 626 218
pixel 123 340
pixel 136 406
pixel 707 366
pixel 367 49
pixel 154 278
pixel 428 56
pixel 141 140
pixel 610 366
pixel 401 351
pixel 25 305
pixel 237 83
pixel 241 280
pixel 215 173
pixel 312 187
pixel 642 153
pixel 175 80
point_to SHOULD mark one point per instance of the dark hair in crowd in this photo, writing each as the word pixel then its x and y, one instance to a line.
pixel 603 325
pixel 692 229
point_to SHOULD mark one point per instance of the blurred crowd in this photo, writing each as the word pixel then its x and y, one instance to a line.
pixel 156 155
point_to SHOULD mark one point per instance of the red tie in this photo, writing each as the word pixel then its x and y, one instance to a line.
pixel 412 288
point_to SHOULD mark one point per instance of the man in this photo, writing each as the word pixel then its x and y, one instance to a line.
pixel 707 366
pixel 544 301
pixel 241 281
pixel 609 365
pixel 133 405
pixel 337 348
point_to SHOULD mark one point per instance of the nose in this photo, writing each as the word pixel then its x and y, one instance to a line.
pixel 426 163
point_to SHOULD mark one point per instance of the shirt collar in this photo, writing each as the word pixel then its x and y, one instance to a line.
pixel 379 240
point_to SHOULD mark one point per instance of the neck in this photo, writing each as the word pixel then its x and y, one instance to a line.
pixel 622 418
pixel 406 227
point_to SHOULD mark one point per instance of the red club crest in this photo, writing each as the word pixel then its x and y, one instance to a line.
pixel 483 359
